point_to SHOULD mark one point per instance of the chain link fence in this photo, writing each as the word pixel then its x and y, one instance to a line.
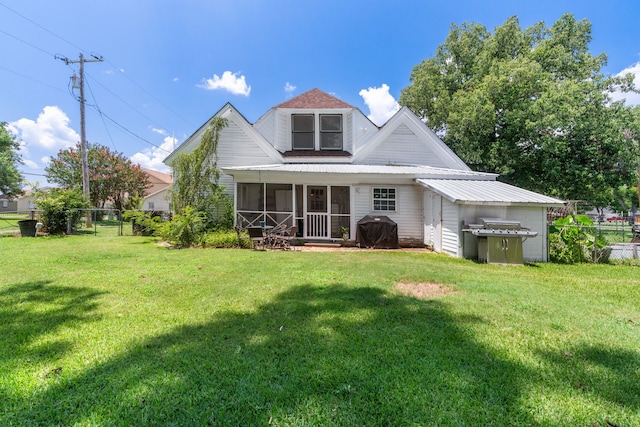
pixel 97 222
pixel 621 241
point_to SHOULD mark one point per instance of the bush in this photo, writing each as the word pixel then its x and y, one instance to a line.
pixel 571 241
pixel 184 230
pixel 58 206
pixel 224 239
pixel 218 211
pixel 143 223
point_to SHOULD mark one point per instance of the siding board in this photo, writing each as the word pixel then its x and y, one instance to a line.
pixel 450 229
pixel 404 147
pixel 408 215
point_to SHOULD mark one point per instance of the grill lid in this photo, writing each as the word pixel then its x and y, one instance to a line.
pixel 500 224
pixel 499 227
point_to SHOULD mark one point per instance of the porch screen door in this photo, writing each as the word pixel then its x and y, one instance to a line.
pixel 317 212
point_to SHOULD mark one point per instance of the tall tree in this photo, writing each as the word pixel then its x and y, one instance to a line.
pixel 112 176
pixel 532 105
pixel 195 177
pixel 10 177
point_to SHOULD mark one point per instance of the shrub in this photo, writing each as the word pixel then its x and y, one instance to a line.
pixel 224 239
pixel 143 223
pixel 184 230
pixel 571 240
pixel 58 206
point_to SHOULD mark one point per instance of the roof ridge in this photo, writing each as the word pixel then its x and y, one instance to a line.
pixel 314 98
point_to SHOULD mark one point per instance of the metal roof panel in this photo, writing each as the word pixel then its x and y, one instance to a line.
pixel 484 192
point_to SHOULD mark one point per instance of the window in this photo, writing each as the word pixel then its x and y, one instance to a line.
pixel 303 131
pixel 307 129
pixel 384 199
pixel 5 203
pixel 330 132
pixel 152 206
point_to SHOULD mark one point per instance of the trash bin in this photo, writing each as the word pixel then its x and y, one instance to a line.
pixel 27 227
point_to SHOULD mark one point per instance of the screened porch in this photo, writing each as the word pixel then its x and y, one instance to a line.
pixel 318 211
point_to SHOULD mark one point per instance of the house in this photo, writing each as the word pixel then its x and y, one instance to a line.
pixel 319 163
pixel 156 196
pixel 8 204
pixel 27 201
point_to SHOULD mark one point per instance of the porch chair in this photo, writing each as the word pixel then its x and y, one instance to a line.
pixel 276 237
pixel 256 235
pixel 291 235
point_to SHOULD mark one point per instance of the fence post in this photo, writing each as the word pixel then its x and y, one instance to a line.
pixel 69 223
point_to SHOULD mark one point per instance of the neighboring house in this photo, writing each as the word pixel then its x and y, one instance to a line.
pixel 156 196
pixel 27 202
pixel 319 163
pixel 8 204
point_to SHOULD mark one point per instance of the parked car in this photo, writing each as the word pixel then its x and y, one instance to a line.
pixel 614 218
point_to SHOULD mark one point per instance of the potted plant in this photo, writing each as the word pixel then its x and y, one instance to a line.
pixel 345 233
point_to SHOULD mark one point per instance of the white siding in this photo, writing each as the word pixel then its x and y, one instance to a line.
pixel 363 130
pixel 266 126
pixel 404 147
pixel 451 229
pixel 347 132
pixel 282 134
pixel 534 218
pixel 408 213
pixel 236 148
pixel 160 203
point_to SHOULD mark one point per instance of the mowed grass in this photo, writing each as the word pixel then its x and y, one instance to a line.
pixel 102 331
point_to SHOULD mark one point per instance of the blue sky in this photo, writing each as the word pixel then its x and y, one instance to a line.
pixel 170 65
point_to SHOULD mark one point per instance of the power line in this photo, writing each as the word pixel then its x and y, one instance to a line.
pixel 149 93
pixel 27 43
pixel 101 117
pixel 43 28
pixel 102 114
pixel 31 78
pixel 126 103
pixel 131 132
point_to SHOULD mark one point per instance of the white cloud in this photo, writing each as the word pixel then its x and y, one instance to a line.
pixel 30 164
pixel 158 131
pixel 380 102
pixel 152 158
pixel 49 133
pixel 289 89
pixel 631 98
pixel 175 79
pixel 50 130
pixel 231 82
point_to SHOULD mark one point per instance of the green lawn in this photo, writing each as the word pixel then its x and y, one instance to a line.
pixel 119 331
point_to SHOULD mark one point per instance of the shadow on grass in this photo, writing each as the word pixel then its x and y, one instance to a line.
pixel 608 373
pixel 30 310
pixel 312 356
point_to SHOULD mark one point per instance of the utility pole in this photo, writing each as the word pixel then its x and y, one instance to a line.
pixel 83 135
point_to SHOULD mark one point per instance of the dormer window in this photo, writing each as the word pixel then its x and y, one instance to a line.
pixel 330 132
pixel 304 135
pixel 303 131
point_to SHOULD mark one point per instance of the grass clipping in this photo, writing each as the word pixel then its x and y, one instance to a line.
pixel 424 290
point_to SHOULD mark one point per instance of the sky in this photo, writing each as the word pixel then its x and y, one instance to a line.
pixel 168 66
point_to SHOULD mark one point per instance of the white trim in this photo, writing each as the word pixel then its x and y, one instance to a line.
pixel 373 199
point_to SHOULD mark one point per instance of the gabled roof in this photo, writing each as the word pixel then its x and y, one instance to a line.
pixel 479 192
pixel 159 176
pixel 427 136
pixel 228 112
pixel 315 98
